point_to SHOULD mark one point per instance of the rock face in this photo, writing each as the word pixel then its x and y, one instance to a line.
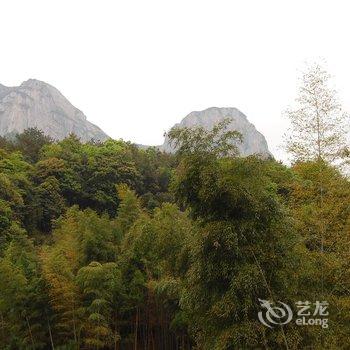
pixel 253 141
pixel 37 104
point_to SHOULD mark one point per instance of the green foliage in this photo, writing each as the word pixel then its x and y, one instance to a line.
pixel 318 122
pixel 216 142
pixel 94 254
pixel 22 295
pixel 30 142
pixel 240 250
pixel 84 281
pixel 49 203
pixel 320 204
pixel 129 208
pixel 101 286
pixel 88 173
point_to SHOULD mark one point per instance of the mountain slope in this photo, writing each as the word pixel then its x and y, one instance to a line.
pixel 38 104
pixel 253 141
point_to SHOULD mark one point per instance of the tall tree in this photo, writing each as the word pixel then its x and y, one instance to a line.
pixel 129 208
pixel 79 238
pixel 49 203
pixel 318 123
pixel 30 143
pixel 322 218
pixel 60 265
pixel 240 250
pixel 316 140
pixel 101 286
pixel 23 299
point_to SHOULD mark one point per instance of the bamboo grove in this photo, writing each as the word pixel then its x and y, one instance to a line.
pixel 108 246
pixel 105 246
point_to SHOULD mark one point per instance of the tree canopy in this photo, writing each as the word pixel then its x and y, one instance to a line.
pixel 108 246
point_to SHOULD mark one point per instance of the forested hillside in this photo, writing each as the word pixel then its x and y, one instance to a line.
pixel 106 246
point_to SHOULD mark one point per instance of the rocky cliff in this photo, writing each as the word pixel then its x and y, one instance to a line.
pixel 38 104
pixel 253 141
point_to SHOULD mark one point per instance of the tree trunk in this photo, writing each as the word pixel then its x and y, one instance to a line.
pixel 116 332
pixel 30 332
pixel 136 328
pixel 75 328
pixel 2 325
pixel 50 333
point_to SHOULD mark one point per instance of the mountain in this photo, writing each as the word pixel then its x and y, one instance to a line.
pixel 38 104
pixel 253 141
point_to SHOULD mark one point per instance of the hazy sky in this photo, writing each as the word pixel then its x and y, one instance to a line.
pixel 137 67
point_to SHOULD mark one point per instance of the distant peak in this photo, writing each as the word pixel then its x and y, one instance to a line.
pixel 37 104
pixel 33 83
pixel 221 108
pixel 253 141
pixel 217 114
pixel 231 110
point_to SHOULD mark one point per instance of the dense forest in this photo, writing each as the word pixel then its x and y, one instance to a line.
pixel 108 246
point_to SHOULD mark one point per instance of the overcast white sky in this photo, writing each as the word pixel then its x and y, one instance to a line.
pixel 137 67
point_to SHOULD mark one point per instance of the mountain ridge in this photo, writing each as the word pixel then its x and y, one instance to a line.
pixel 35 103
pixel 254 142
pixel 38 104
